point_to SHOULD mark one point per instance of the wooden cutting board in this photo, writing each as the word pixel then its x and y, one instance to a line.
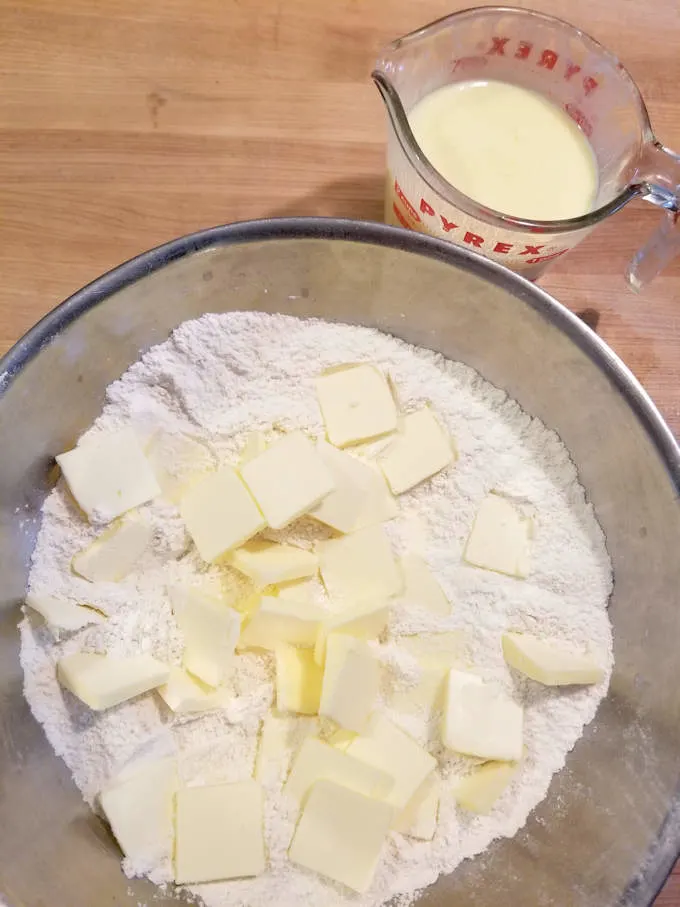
pixel 125 123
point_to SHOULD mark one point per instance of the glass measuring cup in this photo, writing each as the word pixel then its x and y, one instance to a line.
pixel 549 56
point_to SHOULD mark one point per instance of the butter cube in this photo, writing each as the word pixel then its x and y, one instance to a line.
pixel 435 653
pixel 139 809
pixel 350 682
pixel 380 505
pixel 109 475
pixel 300 591
pixel 500 538
pixel 342 507
pixel 423 697
pixel 317 760
pixel 420 449
pixel 421 589
pixel 365 621
pixel 218 832
pixel 220 513
pixel 341 739
pixel 115 552
pixel 280 736
pixel 185 694
pixel 481 720
pixel 385 746
pixel 246 605
pixel 361 497
pixel 479 790
pixel 269 563
pixel 60 614
pixel 298 680
pixel 177 461
pixel 356 404
pixel 419 818
pixel 280 620
pixel 288 479
pixel 255 444
pixel 102 681
pixel 341 834
pixel 359 567
pixel 211 631
pixel 548 662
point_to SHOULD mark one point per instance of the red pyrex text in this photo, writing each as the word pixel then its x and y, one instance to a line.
pixel 471 239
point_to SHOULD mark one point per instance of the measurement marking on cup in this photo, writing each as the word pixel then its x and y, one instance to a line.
pixel 520 49
pixel 408 217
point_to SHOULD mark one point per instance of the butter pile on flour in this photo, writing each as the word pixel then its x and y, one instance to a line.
pixel 313 614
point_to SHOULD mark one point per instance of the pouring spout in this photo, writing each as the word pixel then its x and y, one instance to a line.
pixel 387 91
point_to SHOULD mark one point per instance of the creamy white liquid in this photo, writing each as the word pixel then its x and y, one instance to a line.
pixel 508 148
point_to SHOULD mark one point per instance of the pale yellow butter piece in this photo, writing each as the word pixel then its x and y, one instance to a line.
pixel 361 497
pixel 548 662
pixel 341 834
pixel 380 505
pixel 500 538
pixel 270 563
pixel 421 589
pixel 247 606
pixel 419 818
pixel 480 719
pixel 436 651
pixel 384 745
pixel 351 681
pixel 220 513
pixel 139 809
pixel 288 479
pixel 317 760
pixel 298 680
pixel 280 736
pixel 341 739
pixel 356 404
pixel 231 586
pixel 479 790
pixel 299 591
pixel 255 444
pixel 109 475
pixel 420 449
pixel 115 552
pixel 218 832
pixel 211 631
pixel 102 681
pixel 342 507
pixel 184 693
pixel 365 621
pixel 60 614
pixel 371 449
pixel 177 460
pixel 423 697
pixel 280 620
pixel 359 567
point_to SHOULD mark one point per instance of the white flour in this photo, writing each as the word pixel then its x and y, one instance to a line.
pixel 219 378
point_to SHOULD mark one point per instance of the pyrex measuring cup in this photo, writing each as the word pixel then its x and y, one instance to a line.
pixel 546 55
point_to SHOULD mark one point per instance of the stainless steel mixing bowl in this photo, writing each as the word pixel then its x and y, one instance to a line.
pixel 609 829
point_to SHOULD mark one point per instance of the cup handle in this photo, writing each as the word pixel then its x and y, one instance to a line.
pixel 659 177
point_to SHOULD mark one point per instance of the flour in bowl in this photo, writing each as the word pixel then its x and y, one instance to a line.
pixel 207 389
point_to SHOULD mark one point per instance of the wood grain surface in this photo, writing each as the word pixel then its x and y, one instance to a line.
pixel 125 123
